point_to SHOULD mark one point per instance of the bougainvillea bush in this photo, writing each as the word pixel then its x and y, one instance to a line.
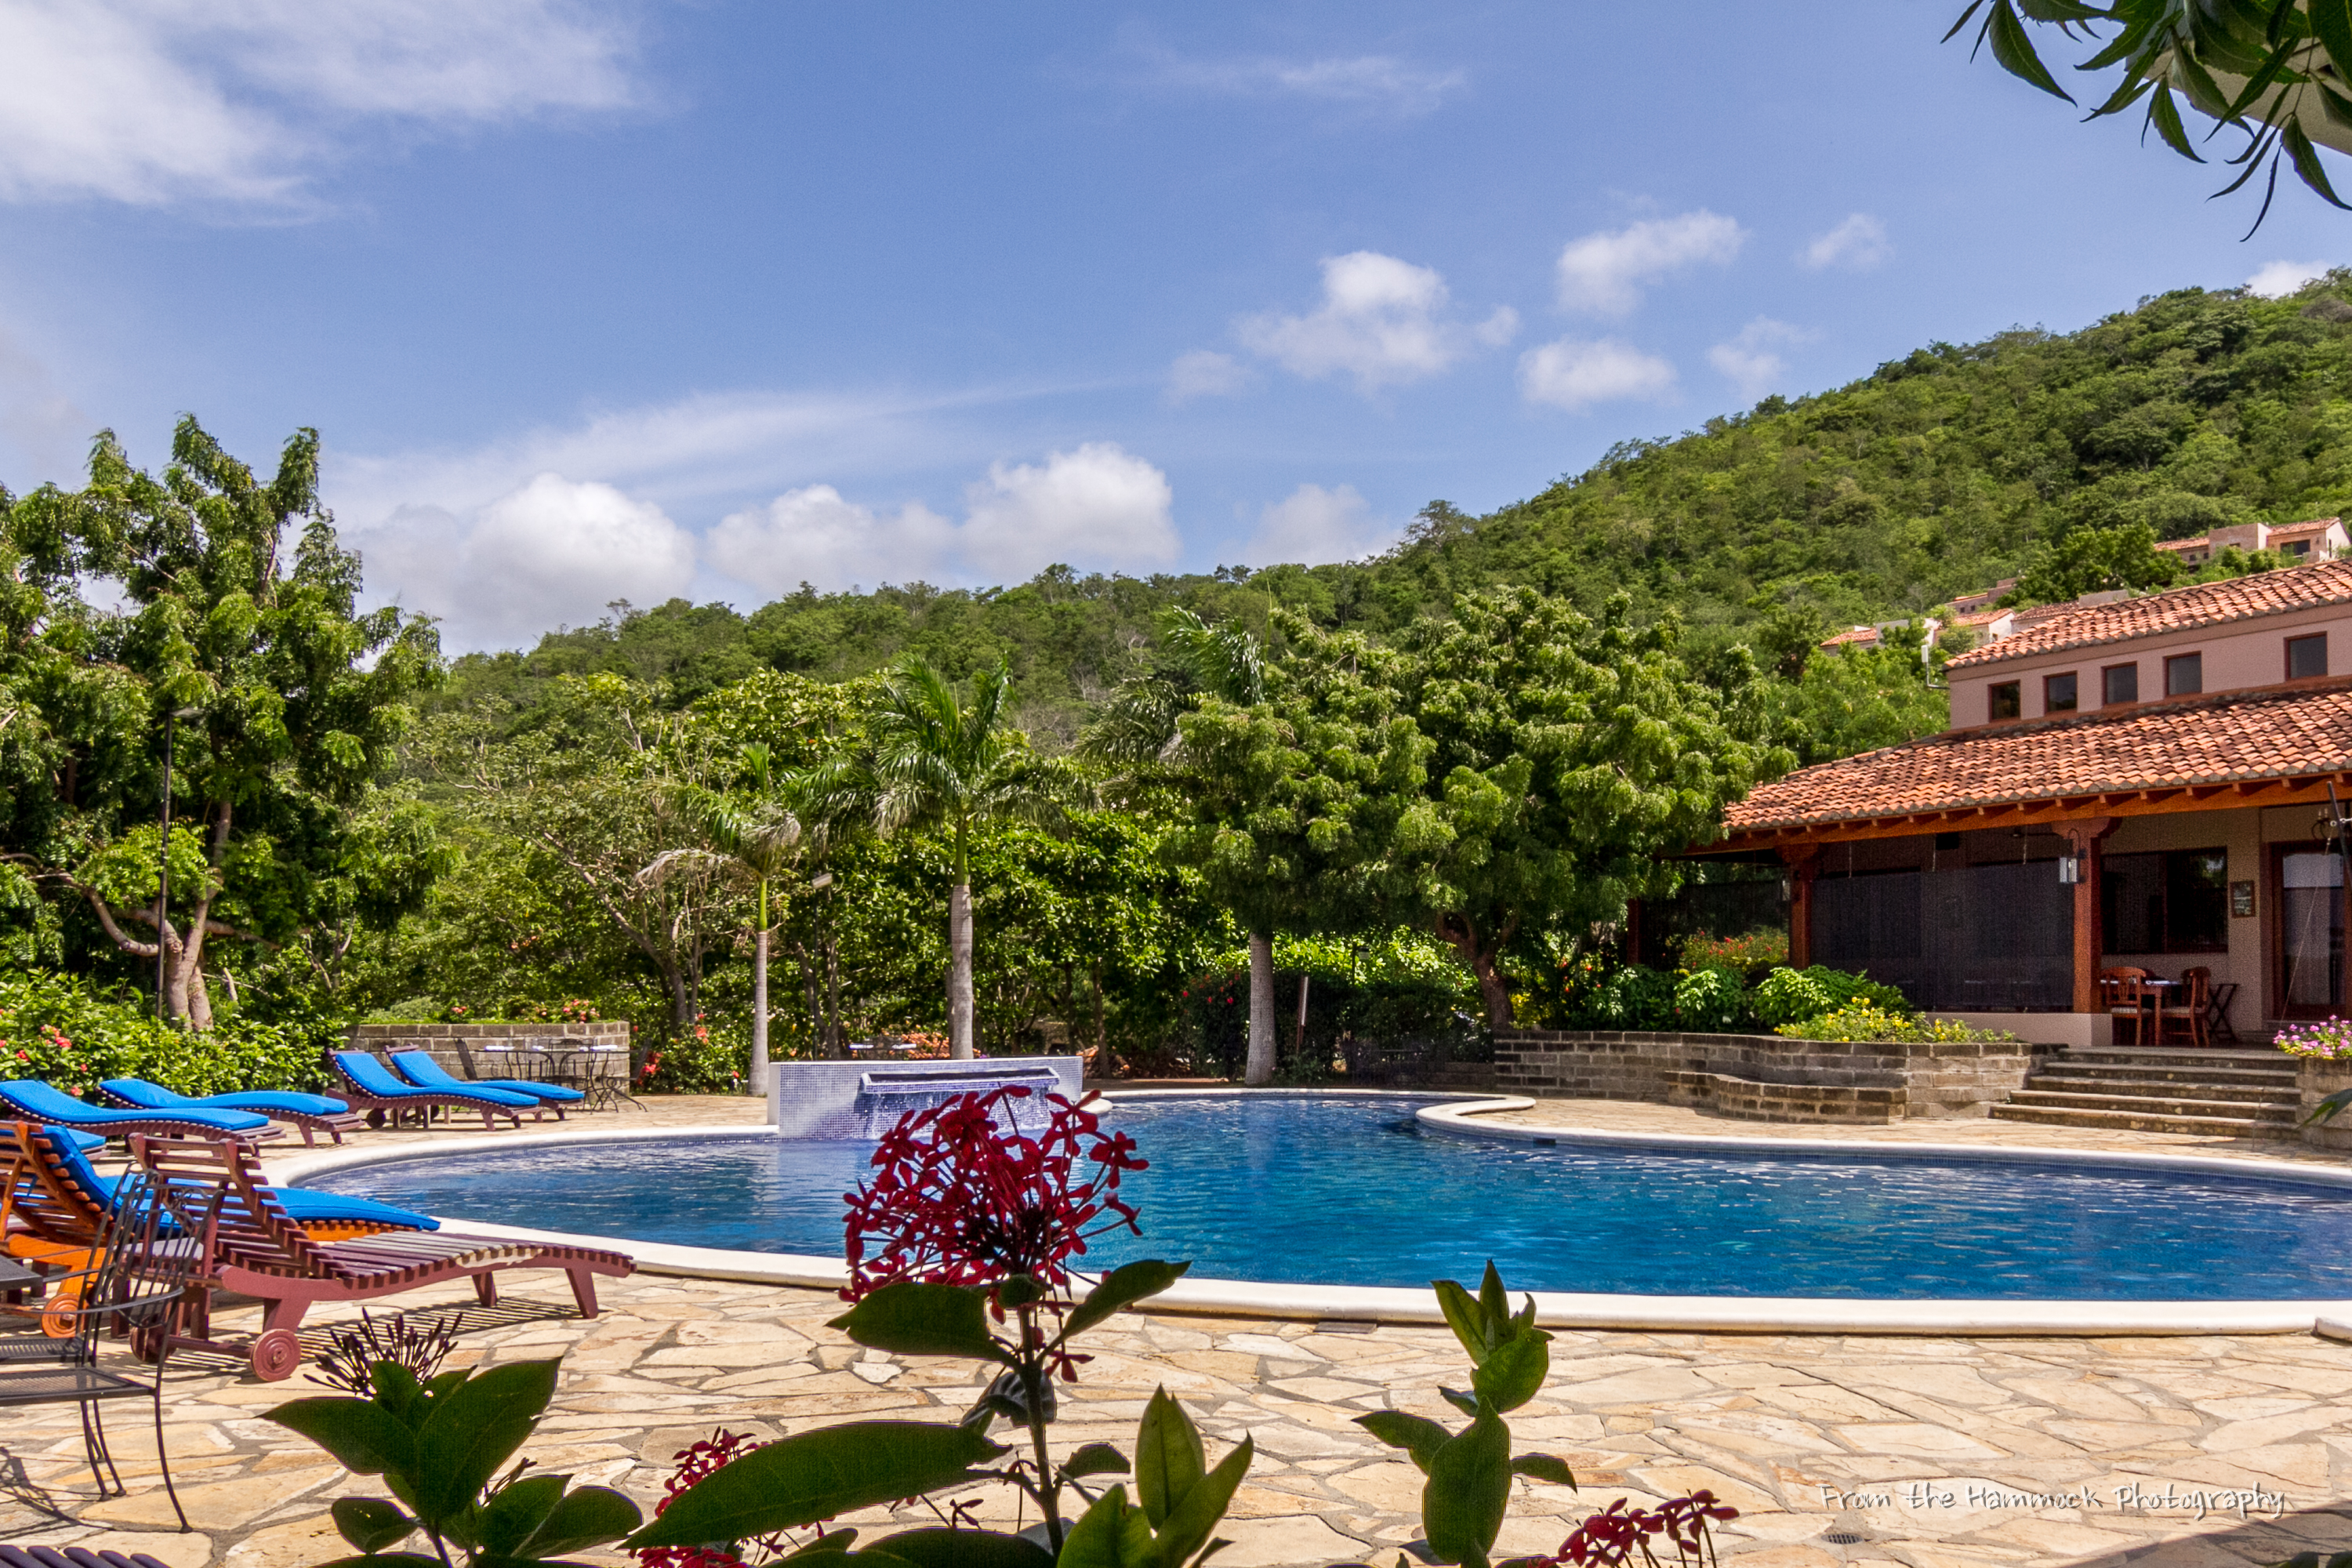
pixel 2328 1040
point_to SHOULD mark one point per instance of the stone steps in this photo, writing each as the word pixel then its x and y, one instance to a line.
pixel 2231 1094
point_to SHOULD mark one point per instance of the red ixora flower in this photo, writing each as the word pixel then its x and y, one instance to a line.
pixel 1612 1536
pixel 699 1463
pixel 956 1199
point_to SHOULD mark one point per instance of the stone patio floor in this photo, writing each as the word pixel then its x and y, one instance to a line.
pixel 1933 1453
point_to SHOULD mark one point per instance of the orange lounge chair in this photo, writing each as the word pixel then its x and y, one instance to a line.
pixel 251 1246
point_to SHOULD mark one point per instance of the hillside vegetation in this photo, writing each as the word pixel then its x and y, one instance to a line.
pixel 1932 477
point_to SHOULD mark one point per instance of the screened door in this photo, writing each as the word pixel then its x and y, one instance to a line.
pixel 2311 933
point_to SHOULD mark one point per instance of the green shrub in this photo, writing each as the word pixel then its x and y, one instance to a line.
pixel 1630 996
pixel 1712 1002
pixel 60 1029
pixel 1792 995
pixel 1862 1021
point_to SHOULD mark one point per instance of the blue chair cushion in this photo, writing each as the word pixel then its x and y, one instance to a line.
pixel 372 1077
pixel 419 1068
pixel 261 1101
pixel 302 1205
pixel 45 1102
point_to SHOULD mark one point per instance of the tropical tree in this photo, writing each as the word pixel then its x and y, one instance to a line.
pixel 2275 72
pixel 289 705
pixel 934 760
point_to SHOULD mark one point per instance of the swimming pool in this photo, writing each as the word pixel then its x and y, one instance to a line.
pixel 1338 1189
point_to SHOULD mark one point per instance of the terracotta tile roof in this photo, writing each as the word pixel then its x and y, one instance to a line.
pixel 1865 636
pixel 2224 738
pixel 2181 609
pixel 2316 525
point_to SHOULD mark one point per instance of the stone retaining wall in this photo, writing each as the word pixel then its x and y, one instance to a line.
pixel 2318 1077
pixel 1765 1078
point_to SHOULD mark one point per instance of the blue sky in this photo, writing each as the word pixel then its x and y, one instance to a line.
pixel 595 298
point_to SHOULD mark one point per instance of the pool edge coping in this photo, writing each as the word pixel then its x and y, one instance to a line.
pixel 1555 1310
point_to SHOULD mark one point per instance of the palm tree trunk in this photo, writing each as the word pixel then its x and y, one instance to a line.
pixel 759 1070
pixel 959 972
pixel 1259 1071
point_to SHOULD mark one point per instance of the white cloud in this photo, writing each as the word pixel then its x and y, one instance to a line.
pixel 1747 361
pixel 1313 525
pixel 813 535
pixel 151 102
pixel 1602 273
pixel 1574 374
pixel 1204 373
pixel 1367 81
pixel 1859 242
pixel 2283 278
pixel 551 551
pixel 1096 507
pixel 1383 320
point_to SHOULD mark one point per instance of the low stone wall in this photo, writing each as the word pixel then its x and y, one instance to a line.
pixel 2318 1078
pixel 481 1050
pixel 1765 1077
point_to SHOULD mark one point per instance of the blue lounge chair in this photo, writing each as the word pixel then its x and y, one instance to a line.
pixel 39 1101
pixel 419 1068
pixel 375 1091
pixel 334 1210
pixel 305 1113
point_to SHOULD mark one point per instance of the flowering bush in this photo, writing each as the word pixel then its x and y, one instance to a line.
pixel 1751 954
pixel 1790 996
pixel 57 1028
pixel 1862 1020
pixel 1610 1537
pixel 2331 1039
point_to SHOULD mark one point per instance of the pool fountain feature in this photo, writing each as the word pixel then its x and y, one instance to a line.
pixel 858 1101
pixel 886 1094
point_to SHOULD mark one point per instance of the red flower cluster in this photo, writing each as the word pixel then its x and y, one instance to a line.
pixel 699 1463
pixel 957 1199
pixel 1610 1537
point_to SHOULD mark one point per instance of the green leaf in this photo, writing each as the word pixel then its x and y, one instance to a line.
pixel 1096 1541
pixel 831 1541
pixel 912 1318
pixel 1168 1458
pixel 2014 50
pixel 1462 1315
pixel 2307 162
pixel 472 1432
pixel 1466 1403
pixel 801 1479
pixel 397 1389
pixel 588 1516
pixel 516 1511
pixel 961 1548
pixel 1122 1287
pixel 364 1438
pixel 1196 1514
pixel 1416 1434
pixel 1094 1460
pixel 1020 1291
pixel 1494 1302
pixel 1469 1487
pixel 2331 23
pixel 1514 1372
pixel 2164 115
pixel 370 1523
pixel 1544 1468
pixel 2327 1110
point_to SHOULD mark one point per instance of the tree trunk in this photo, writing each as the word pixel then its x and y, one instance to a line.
pixel 1480 955
pixel 837 1039
pixel 760 1014
pixel 1259 1069
pixel 959 972
pixel 1102 1057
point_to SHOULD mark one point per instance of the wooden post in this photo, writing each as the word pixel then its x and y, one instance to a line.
pixel 1804 862
pixel 2090 935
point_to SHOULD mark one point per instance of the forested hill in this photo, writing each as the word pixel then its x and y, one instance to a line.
pixel 1933 475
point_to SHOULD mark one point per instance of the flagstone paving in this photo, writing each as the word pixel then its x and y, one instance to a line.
pixel 1931 1452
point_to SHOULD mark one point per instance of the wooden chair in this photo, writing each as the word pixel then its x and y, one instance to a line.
pixel 2124 992
pixel 249 1246
pixel 2187 1006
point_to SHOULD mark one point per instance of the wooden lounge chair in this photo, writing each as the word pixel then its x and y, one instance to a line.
pixel 374 1090
pixel 421 1069
pixel 46 1103
pixel 251 1246
pixel 56 1208
pixel 306 1113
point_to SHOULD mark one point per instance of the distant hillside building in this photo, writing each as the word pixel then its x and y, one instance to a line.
pixel 2321 539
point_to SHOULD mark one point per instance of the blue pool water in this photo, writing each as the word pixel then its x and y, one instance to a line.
pixel 1352 1190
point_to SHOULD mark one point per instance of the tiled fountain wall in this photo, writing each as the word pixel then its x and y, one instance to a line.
pixel 860 1099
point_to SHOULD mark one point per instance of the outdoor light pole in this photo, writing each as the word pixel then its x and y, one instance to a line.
pixel 164 873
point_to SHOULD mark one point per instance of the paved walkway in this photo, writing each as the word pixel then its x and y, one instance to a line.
pixel 1926 1453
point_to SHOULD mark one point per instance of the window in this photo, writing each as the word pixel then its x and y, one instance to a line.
pixel 2058 693
pixel 2306 655
pixel 2175 901
pixel 2002 701
pixel 2184 674
pixel 2119 683
pixel 2295 547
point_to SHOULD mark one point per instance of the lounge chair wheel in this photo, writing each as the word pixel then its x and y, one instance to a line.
pixel 61 1313
pixel 275 1354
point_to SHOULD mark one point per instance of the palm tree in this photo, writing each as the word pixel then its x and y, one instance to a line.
pixel 1141 729
pixel 749 842
pixel 935 762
